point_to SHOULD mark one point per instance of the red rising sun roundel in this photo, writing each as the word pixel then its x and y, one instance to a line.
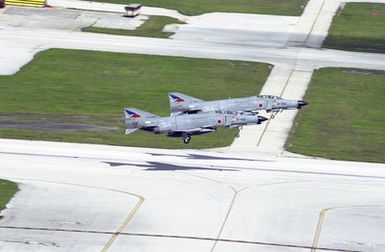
pixel 260 105
pixel 219 121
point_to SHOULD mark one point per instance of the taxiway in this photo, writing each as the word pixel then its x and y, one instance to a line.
pixel 104 198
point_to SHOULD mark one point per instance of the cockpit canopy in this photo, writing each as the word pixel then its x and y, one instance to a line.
pixel 270 97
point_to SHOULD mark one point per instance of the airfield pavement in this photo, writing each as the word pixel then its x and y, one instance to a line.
pixel 77 197
pixel 246 197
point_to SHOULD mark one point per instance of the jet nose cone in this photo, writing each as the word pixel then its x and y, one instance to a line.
pixel 301 104
pixel 261 119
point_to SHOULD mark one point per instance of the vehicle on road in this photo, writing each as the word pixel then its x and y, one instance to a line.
pixel 187 125
pixel 181 103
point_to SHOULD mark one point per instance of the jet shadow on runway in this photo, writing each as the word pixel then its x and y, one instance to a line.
pixel 157 166
pixel 204 157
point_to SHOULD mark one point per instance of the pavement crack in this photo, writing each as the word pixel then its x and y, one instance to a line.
pixel 47 244
pixel 200 238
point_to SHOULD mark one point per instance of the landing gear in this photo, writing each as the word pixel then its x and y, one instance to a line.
pixel 238 132
pixel 186 139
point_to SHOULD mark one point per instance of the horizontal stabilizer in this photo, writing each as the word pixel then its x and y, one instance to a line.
pixel 129 131
pixel 200 130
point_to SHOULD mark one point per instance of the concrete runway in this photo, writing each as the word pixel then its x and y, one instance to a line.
pixel 102 198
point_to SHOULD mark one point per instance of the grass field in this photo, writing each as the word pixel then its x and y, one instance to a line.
pixel 98 85
pixel 197 7
pixel 358 27
pixel 151 28
pixel 345 119
pixel 7 190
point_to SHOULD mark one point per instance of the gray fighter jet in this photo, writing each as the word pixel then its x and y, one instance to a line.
pixel 187 104
pixel 186 125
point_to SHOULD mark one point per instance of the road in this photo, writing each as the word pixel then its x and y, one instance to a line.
pixel 305 58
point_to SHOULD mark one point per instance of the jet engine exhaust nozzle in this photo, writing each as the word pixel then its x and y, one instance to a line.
pixel 261 119
pixel 301 104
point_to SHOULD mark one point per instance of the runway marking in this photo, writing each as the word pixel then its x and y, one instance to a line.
pixel 177 237
pixel 268 122
pixel 230 207
pixel 321 219
pixel 314 22
pixel 287 81
pixel 227 215
pixel 318 230
pixel 126 220
pixel 78 185
pixel 36 48
pixel 123 225
pixel 201 177
pixel 264 131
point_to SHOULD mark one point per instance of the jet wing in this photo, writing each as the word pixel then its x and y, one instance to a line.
pixel 248 112
pixel 194 111
pixel 198 130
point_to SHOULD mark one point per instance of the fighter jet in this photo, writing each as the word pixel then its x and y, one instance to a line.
pixel 186 125
pixel 181 103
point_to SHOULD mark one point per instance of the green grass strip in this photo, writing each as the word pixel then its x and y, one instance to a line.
pixel 197 7
pixel 7 190
pixel 358 27
pixel 345 119
pixel 100 84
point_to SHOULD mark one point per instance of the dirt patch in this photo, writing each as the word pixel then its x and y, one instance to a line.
pixel 362 72
pixel 60 123
pixel 59 127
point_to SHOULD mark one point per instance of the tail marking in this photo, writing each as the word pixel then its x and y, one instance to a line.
pixel 176 98
pixel 132 114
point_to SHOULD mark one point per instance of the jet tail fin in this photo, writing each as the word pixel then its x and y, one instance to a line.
pixel 133 114
pixel 182 102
